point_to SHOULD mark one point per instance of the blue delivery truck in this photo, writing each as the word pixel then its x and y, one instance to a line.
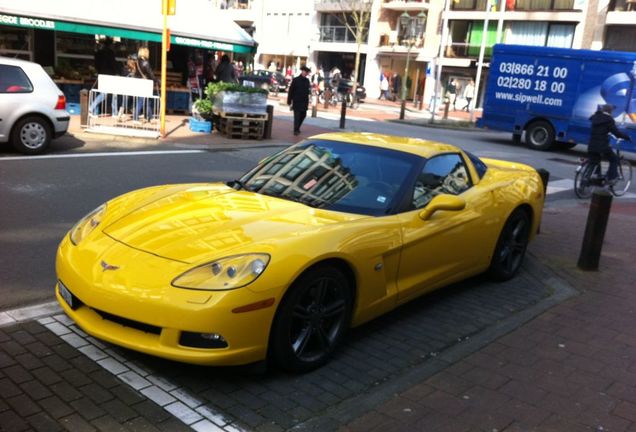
pixel 548 94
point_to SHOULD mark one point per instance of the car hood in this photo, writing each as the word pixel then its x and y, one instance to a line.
pixel 206 221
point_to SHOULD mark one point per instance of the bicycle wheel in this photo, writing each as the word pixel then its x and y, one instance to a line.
pixel 582 185
pixel 624 178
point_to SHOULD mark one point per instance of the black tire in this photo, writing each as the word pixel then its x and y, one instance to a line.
pixel 583 187
pixel 31 135
pixel 624 178
pixel 311 320
pixel 511 246
pixel 540 135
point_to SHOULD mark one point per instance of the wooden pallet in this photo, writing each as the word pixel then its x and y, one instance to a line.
pixel 242 125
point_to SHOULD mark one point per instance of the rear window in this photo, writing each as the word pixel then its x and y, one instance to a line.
pixel 14 80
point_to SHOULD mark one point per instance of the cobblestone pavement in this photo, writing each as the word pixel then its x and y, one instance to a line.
pixel 573 368
pixel 54 376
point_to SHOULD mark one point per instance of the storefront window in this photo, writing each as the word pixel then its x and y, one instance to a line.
pixel 16 43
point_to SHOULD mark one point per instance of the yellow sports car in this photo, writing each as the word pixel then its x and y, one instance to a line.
pixel 324 235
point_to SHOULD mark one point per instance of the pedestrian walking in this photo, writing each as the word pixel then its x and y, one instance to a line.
pixel 469 94
pixel 451 93
pixel 384 88
pixel 105 64
pixel 396 85
pixel 298 97
pixel 225 71
pixel 144 71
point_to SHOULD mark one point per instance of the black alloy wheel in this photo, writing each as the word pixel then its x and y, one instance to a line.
pixel 311 320
pixel 511 246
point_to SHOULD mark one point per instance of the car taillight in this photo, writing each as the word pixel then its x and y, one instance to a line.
pixel 61 102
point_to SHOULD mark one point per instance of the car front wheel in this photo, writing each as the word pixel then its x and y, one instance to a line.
pixel 311 320
pixel 31 135
pixel 511 246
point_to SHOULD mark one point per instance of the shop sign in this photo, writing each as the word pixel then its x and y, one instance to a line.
pixel 20 21
pixel 27 22
pixel 201 43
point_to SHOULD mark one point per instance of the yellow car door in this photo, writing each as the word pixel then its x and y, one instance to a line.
pixel 445 236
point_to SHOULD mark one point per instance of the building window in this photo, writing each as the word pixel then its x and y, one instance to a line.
pixel 540 34
pixel 620 38
pixel 16 42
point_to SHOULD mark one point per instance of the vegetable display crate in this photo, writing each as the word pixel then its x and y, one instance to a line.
pixel 242 126
pixel 204 126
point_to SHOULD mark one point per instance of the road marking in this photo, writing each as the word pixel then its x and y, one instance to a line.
pixel 82 155
pixel 15 316
pixel 176 400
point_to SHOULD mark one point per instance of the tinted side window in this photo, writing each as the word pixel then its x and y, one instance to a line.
pixel 14 80
pixel 479 165
pixel 444 174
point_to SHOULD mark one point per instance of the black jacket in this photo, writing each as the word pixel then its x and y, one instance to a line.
pixel 225 72
pixel 298 93
pixel 602 125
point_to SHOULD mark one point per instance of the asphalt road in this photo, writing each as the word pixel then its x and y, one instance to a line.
pixel 42 197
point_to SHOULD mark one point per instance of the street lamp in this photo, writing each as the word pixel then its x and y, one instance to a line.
pixel 412 29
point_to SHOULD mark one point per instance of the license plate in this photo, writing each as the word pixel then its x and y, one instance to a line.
pixel 68 297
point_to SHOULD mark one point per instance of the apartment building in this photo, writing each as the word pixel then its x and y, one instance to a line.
pixel 447 39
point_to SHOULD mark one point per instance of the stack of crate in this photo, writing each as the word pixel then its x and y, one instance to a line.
pixel 242 125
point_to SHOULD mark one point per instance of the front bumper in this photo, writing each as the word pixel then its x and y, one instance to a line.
pixel 135 306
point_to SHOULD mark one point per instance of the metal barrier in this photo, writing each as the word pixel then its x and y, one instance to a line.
pixel 123 114
pixel 124 106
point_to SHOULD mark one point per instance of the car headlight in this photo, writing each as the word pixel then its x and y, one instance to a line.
pixel 225 273
pixel 87 224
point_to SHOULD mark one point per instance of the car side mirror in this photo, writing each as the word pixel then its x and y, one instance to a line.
pixel 442 202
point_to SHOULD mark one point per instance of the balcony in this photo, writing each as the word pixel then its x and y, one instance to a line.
pixel 622 6
pixel 340 6
pixel 338 34
pixel 516 5
pixel 406 5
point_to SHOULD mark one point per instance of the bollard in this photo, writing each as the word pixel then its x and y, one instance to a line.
pixel 84 108
pixel 402 109
pixel 327 97
pixel 343 112
pixel 267 132
pixel 446 106
pixel 595 230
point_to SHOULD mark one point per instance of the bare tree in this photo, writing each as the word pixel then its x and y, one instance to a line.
pixel 355 14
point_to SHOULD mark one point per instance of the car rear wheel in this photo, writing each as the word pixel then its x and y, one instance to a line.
pixel 31 135
pixel 511 246
pixel 311 320
pixel 540 135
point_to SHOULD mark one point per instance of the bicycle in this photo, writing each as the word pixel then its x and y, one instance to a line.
pixel 590 174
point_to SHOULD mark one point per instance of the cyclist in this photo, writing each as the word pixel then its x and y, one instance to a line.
pixel 598 146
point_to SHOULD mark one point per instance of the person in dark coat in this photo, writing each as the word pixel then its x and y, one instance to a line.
pixel 298 97
pixel 598 146
pixel 225 72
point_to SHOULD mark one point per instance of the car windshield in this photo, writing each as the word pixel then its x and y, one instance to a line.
pixel 336 176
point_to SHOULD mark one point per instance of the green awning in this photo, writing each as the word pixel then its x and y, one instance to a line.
pixel 65 26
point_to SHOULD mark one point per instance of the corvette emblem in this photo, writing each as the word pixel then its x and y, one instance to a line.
pixel 106 266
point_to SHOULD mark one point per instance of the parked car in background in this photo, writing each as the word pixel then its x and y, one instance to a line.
pixel 272 81
pixel 32 107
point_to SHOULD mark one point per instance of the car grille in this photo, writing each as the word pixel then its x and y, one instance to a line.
pixel 146 328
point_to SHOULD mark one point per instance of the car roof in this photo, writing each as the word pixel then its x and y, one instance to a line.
pixel 15 62
pixel 417 146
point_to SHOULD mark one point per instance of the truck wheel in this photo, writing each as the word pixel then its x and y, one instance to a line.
pixel 540 135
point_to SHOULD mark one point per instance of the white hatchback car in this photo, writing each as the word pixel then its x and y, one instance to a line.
pixel 32 107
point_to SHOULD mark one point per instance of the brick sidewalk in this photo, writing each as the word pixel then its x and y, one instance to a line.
pixel 573 368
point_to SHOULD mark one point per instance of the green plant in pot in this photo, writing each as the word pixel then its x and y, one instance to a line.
pixel 202 108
